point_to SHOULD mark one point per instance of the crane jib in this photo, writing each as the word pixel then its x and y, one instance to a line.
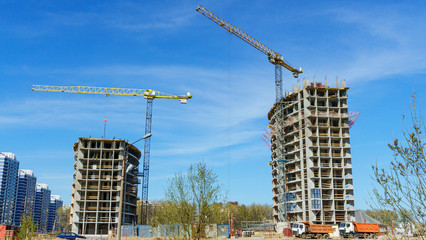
pixel 147 93
pixel 273 57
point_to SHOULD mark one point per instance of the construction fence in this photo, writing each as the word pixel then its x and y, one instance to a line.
pixel 173 230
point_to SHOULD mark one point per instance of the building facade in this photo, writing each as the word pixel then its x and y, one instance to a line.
pixel 97 185
pixel 9 167
pixel 41 207
pixel 311 157
pixel 25 196
pixel 52 220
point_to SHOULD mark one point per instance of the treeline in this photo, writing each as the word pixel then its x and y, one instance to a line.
pixel 164 212
pixel 250 213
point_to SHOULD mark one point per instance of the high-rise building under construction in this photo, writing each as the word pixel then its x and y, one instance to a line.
pixel 97 185
pixel 311 157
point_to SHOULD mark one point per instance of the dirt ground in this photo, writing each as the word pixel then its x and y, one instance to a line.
pixel 50 237
pixel 256 237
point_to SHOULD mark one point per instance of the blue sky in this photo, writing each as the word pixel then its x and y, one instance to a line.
pixel 377 46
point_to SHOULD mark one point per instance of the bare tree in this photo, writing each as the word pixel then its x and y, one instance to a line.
pixel 205 192
pixel 191 201
pixel 402 185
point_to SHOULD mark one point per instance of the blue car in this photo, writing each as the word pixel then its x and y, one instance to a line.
pixel 69 235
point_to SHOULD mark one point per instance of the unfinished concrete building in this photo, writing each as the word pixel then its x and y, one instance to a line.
pixel 311 155
pixel 97 185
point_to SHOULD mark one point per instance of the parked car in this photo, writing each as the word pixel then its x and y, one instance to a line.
pixel 69 235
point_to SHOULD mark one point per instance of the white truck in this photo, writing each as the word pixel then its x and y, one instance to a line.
pixel 355 229
pixel 308 230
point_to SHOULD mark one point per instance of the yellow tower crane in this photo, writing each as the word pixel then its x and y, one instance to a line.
pixel 273 57
pixel 150 95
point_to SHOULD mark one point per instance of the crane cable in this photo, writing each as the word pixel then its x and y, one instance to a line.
pixel 228 114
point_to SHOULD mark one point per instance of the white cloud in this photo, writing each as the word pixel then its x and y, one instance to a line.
pixel 221 113
pixel 124 16
pixel 386 41
pixel 37 111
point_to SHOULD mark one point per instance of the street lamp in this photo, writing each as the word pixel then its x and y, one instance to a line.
pixel 123 172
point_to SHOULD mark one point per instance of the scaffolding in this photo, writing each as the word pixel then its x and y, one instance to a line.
pixel 310 150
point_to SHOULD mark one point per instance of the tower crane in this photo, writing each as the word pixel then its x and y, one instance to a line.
pixel 273 57
pixel 150 95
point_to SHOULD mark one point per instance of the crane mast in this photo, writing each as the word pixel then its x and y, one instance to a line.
pixel 273 57
pixel 150 95
pixel 146 160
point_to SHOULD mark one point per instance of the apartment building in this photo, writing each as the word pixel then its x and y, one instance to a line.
pixel 25 196
pixel 9 167
pixel 41 207
pixel 52 219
